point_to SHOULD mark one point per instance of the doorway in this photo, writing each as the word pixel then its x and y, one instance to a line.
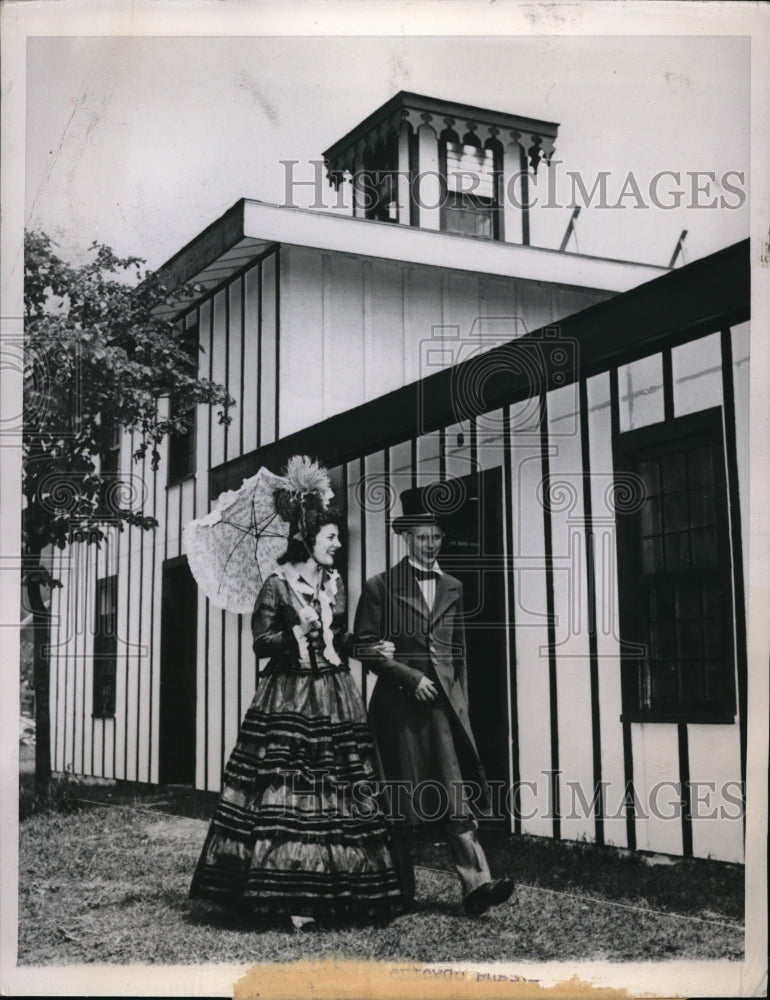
pixel 474 552
pixel 178 640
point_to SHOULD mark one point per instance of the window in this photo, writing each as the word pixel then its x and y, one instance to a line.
pixel 181 447
pixel 380 181
pixel 675 573
pixel 105 648
pixel 471 203
pixel 110 464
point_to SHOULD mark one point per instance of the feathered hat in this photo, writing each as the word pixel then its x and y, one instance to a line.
pixel 307 491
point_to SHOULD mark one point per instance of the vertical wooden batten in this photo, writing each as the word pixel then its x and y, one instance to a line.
pixel 117 652
pixel 590 555
pixel 511 609
pixel 204 746
pixel 139 648
pixel 553 690
pixel 154 640
pixel 734 500
pixel 628 751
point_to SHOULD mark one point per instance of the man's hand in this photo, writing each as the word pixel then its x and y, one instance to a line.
pixel 426 690
pixel 385 648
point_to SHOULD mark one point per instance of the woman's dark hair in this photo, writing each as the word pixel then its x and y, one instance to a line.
pixel 299 550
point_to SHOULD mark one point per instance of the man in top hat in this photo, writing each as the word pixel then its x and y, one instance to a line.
pixel 419 707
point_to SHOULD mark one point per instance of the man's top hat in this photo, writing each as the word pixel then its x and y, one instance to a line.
pixel 431 504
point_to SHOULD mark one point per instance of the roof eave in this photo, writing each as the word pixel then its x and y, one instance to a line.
pixel 251 229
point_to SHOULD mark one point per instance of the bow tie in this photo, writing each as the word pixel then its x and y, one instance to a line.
pixel 425 574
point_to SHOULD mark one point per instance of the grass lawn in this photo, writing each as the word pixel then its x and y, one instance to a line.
pixel 109 884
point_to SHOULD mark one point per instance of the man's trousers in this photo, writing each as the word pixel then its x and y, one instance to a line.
pixel 461 836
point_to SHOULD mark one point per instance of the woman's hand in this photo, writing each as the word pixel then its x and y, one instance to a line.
pixel 385 648
pixel 309 622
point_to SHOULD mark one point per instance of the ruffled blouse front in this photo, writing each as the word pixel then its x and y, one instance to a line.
pixel 276 621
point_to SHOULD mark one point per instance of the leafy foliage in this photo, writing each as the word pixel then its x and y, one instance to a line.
pixel 98 357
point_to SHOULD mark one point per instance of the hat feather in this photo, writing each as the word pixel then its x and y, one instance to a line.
pixel 307 487
pixel 303 475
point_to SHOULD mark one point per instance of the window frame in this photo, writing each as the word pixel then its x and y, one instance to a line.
pixel 691 430
pixel 474 204
pixel 105 661
pixel 109 467
pixel 181 448
pixel 380 170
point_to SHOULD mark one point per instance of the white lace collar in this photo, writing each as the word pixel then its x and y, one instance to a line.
pixel 326 595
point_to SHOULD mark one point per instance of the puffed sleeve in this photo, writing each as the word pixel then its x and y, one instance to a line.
pixel 273 621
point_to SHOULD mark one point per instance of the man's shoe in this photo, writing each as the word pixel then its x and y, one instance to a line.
pixel 488 894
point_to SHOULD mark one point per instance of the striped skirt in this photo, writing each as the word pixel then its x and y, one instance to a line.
pixel 297 829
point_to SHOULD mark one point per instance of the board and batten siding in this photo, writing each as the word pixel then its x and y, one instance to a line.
pixel 571 755
pixel 355 328
pixel 120 746
pixel 237 330
pixel 566 734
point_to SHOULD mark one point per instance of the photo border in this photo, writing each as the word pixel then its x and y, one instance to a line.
pixel 21 20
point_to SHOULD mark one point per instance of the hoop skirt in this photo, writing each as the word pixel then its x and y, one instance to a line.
pixel 297 829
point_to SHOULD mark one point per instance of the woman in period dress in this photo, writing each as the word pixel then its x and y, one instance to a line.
pixel 297 831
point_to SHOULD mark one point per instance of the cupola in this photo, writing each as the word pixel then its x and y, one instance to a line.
pixel 419 161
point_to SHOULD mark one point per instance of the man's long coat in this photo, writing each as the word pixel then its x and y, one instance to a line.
pixel 418 741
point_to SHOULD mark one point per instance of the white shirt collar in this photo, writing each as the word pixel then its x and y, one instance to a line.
pixel 435 568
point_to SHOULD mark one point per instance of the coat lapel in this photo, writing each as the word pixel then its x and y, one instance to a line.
pixel 446 593
pixel 406 588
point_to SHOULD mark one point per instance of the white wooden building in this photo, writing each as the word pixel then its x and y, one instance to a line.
pixel 591 418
